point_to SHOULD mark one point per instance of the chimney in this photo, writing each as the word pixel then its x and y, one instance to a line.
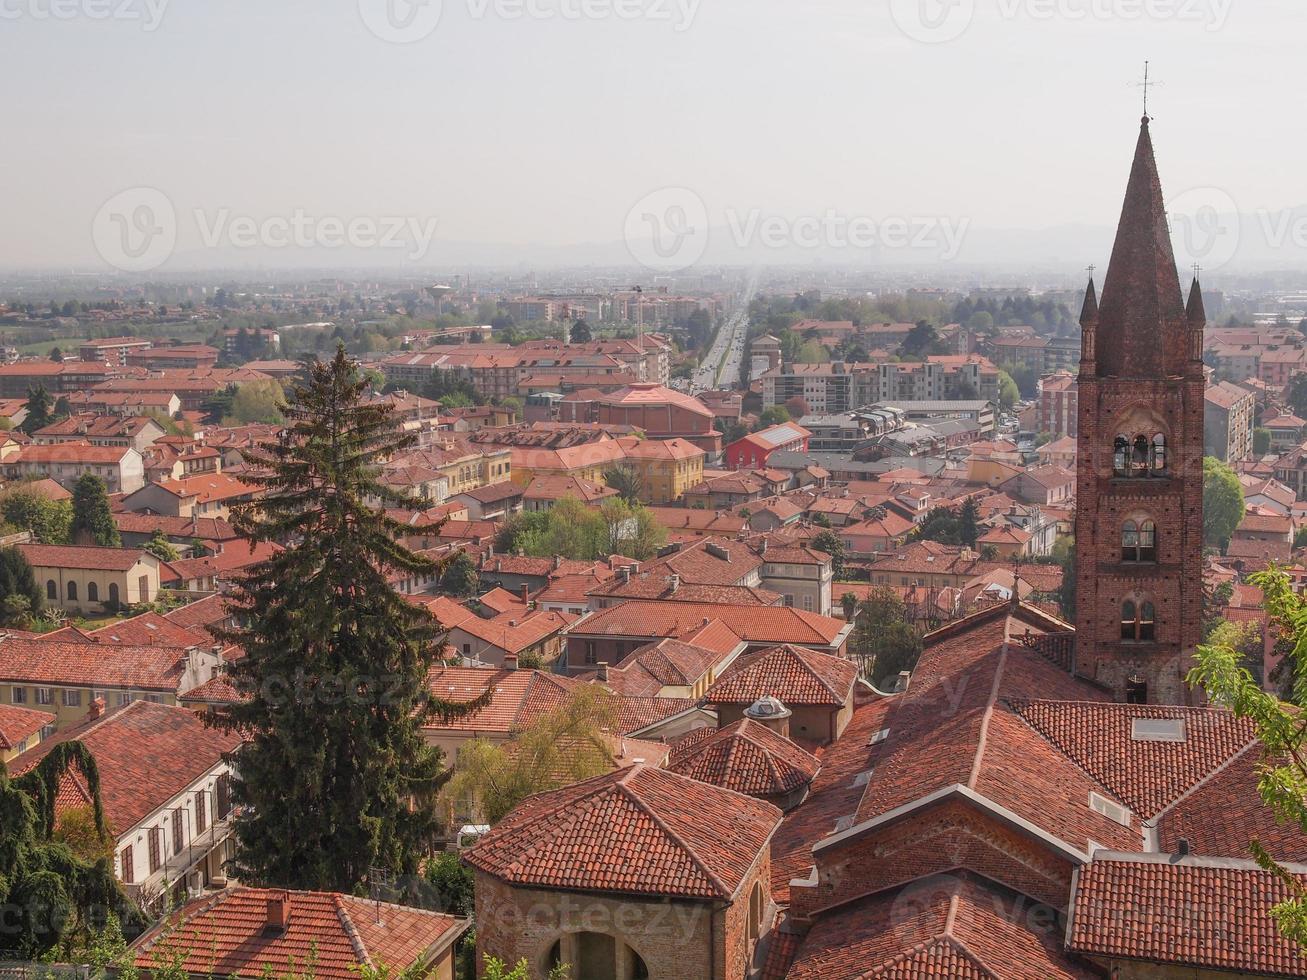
pixel 762 547
pixel 278 920
pixel 526 591
pixel 673 583
pixel 96 709
pixel 603 671
pixel 510 661
pixel 558 562
pixel 624 573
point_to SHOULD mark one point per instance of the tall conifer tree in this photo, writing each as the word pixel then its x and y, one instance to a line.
pixel 336 778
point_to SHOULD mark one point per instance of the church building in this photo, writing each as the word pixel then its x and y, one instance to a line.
pixel 1139 492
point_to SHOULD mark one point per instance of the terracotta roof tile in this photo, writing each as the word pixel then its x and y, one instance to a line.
pixel 1184 912
pixel 40 661
pixel 794 674
pixel 224 935
pixel 70 556
pixel 18 723
pixel 947 926
pixel 146 755
pixel 637 831
pixel 747 757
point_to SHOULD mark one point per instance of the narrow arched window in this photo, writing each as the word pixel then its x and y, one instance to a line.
pixel 72 591
pixel 1139 541
pixel 51 590
pixel 1121 456
pixel 113 593
pixel 1139 456
pixel 1147 630
pixel 1138 621
pixel 1147 541
pixel 1129 619
pixel 1159 453
pixel 92 592
pixel 1129 541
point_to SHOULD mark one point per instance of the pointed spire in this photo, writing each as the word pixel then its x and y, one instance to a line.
pixel 1194 311
pixel 1142 327
pixel 1089 311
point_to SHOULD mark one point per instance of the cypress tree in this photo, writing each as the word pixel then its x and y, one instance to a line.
pixel 93 522
pixel 336 778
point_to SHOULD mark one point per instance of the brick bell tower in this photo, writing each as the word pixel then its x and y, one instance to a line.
pixel 1139 485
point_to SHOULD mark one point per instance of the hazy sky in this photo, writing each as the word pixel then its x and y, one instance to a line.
pixel 506 125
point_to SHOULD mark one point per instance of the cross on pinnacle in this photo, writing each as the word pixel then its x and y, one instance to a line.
pixel 1197 269
pixel 1145 84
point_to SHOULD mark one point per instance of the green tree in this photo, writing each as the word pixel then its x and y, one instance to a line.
pixel 829 542
pixel 1296 395
pixel 161 547
pixel 626 480
pixel 882 637
pixel 218 406
pixel 93 522
pixel 48 520
pixel 1223 506
pixel 562 747
pixel 258 401
pixel 1261 441
pixel 336 661
pixel 849 603
pixel 40 410
pixel 969 522
pixel 1008 392
pixel 1282 772
pixel 21 597
pixel 941 524
pixel 773 416
pixel 922 340
pixel 460 576
pixel 49 890
pixel 580 333
pixel 451 881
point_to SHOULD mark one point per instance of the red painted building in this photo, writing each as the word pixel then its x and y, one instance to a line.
pixel 753 451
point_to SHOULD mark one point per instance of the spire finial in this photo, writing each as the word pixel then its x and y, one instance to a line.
pixel 1197 269
pixel 1146 84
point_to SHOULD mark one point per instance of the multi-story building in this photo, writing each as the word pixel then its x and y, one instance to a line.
pixel 828 389
pixel 165 779
pixel 939 377
pixel 667 467
pixel 1056 408
pixel 1139 495
pixel 1229 412
pixel 112 350
pixel 753 451
pixel 121 467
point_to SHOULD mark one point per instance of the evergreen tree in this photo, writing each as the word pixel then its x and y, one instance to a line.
pixel 460 577
pixel 336 777
pixel 50 893
pixel 969 523
pixel 40 409
pixel 20 596
pixel 92 517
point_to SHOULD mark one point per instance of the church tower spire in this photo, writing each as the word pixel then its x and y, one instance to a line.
pixel 1139 526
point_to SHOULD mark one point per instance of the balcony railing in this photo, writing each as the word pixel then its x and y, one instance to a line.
pixel 177 866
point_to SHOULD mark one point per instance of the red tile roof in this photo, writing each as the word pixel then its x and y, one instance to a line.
pixel 519 697
pixel 147 629
pixel 146 755
pixel 747 757
pixel 793 674
pixel 954 926
pixel 1146 775
pixel 635 714
pixel 637 831
pixel 95 559
pixel 82 664
pixel 18 723
pixel 754 624
pixel 224 935
pixel 1192 913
